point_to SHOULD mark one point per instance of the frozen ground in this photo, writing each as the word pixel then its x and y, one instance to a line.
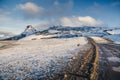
pixel 36 37
pixel 32 58
pixel 109 65
pixel 117 69
pixel 100 40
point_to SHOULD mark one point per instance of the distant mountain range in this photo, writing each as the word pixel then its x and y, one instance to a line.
pixel 64 32
pixel 4 35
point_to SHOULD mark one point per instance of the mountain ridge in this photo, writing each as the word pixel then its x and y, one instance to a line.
pixel 64 32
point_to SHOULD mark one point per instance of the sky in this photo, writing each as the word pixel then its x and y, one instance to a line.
pixel 15 15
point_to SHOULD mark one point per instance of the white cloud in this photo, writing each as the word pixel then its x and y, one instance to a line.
pixel 56 10
pixel 75 21
pixel 79 21
pixel 31 9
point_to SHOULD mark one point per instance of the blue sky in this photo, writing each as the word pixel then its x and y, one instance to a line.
pixel 16 14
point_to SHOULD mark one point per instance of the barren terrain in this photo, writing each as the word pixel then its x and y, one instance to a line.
pixel 98 59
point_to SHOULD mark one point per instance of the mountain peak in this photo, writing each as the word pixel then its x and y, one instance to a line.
pixel 29 30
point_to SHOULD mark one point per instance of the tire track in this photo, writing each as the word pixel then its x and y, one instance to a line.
pixel 106 71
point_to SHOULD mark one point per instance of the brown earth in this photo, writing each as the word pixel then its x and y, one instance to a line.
pixel 6 44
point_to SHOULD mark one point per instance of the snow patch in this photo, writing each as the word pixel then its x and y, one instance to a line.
pixel 117 69
pixel 114 59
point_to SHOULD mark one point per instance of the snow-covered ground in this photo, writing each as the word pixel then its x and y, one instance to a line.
pixel 99 40
pixel 36 37
pixel 32 58
pixel 117 69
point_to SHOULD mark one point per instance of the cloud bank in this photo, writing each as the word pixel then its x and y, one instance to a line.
pixel 58 14
pixel 79 21
pixel 74 21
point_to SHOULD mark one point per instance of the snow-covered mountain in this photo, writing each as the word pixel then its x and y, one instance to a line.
pixel 62 32
pixel 29 30
pixel 68 32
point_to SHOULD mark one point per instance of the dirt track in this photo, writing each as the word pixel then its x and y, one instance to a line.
pixel 109 60
pixel 84 66
pixel 109 67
